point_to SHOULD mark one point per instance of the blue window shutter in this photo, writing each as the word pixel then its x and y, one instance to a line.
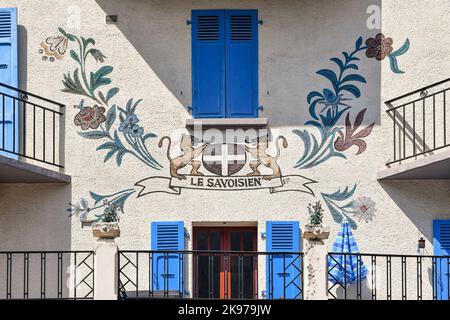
pixel 208 63
pixel 168 266
pixel 9 75
pixel 241 63
pixel 441 244
pixel 283 271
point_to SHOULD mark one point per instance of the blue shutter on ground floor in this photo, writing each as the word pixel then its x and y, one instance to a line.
pixel 241 63
pixel 283 271
pixel 441 244
pixel 9 128
pixel 208 63
pixel 167 266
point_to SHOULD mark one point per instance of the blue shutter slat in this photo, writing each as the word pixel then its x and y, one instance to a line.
pixel 241 63
pixel 283 270
pixel 441 244
pixel 9 75
pixel 168 268
pixel 208 63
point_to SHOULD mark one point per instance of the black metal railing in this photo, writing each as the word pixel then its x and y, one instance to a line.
pixel 420 121
pixel 31 126
pixel 389 277
pixel 47 275
pixel 210 275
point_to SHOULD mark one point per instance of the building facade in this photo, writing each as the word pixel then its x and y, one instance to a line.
pixel 212 125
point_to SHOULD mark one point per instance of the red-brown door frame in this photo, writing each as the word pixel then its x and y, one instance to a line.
pixel 225 246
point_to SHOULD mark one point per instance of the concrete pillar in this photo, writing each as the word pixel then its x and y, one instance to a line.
pixel 315 268
pixel 105 269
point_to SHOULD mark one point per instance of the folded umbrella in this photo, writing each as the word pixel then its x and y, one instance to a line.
pixel 348 268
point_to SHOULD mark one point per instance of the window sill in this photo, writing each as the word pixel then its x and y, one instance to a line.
pixel 224 123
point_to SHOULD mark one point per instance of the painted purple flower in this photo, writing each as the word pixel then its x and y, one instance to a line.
pixel 379 47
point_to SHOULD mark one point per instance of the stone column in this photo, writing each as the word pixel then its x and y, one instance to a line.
pixel 315 269
pixel 105 269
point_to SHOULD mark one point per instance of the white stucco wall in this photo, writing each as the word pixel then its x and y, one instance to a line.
pixel 149 49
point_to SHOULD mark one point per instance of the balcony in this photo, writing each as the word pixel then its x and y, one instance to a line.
pixel 420 135
pixel 210 275
pixel 31 138
pixel 215 275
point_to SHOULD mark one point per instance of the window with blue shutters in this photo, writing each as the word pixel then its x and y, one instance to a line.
pixel 225 63
pixel 167 265
pixel 9 115
pixel 283 270
pixel 441 244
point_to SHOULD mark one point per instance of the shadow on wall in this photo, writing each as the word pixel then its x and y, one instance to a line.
pixel 297 39
pixel 33 217
pixel 422 202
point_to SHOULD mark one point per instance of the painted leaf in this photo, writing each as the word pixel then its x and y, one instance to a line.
pixel 111 93
pixel 69 36
pixel 148 136
pixel 330 75
pixel 402 50
pixel 119 157
pixel 351 89
pixel 354 77
pixel 99 77
pixel 110 117
pixel 107 145
pixel 117 140
pixel 74 56
pixel 96 197
pixel 394 65
pixel 339 63
pixel 93 134
pixel 312 95
pixel 359 43
pixel 110 154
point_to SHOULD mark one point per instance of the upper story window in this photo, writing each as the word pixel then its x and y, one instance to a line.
pixel 225 63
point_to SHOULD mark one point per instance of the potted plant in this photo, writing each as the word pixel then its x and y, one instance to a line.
pixel 107 224
pixel 314 230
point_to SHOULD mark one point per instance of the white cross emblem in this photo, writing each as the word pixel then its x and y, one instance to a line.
pixel 225 158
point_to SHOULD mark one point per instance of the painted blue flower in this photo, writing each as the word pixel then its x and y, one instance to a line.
pixel 136 131
pixel 127 125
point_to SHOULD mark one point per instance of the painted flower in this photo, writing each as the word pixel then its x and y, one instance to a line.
pixel 55 46
pixel 98 55
pixel 364 209
pixel 379 47
pixel 127 125
pixel 90 117
pixel 137 131
pixel 352 136
pixel 79 210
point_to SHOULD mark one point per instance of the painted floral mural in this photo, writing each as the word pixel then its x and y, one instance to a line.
pixel 116 127
pixel 328 106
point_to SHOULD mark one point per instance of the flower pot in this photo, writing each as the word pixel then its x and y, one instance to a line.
pixel 106 230
pixel 316 233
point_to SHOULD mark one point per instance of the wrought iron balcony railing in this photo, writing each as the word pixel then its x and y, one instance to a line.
pixel 389 277
pixel 420 121
pixel 31 127
pixel 47 275
pixel 210 275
